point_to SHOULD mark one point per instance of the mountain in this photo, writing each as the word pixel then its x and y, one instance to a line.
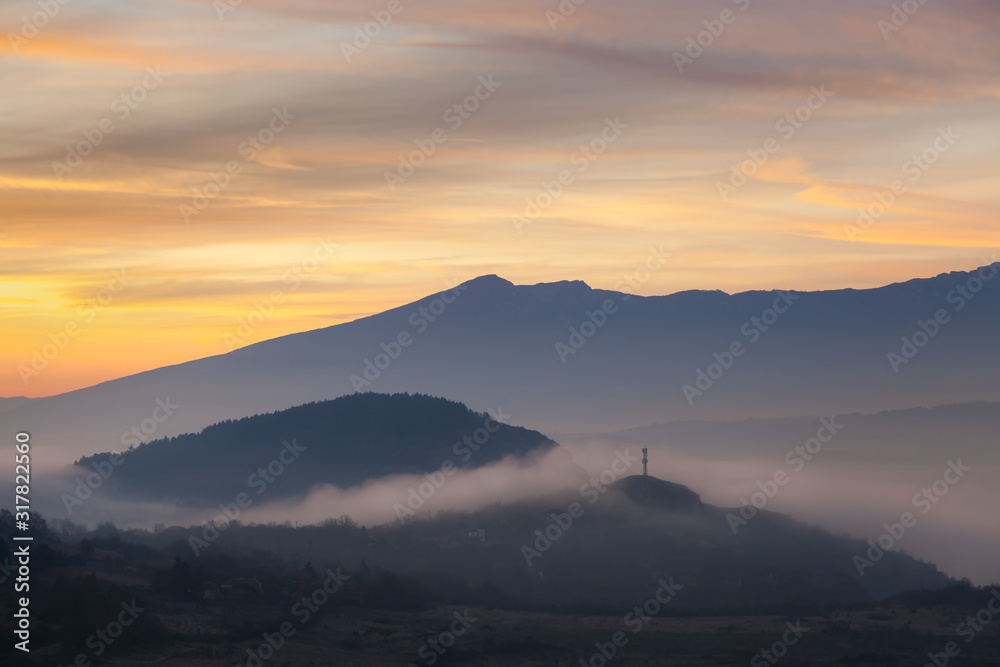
pixel 563 357
pixel 611 553
pixel 649 491
pixel 886 460
pixel 13 402
pixel 345 442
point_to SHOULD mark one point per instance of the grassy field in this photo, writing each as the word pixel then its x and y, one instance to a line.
pixel 203 634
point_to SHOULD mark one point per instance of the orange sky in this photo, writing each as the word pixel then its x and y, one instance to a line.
pixel 164 97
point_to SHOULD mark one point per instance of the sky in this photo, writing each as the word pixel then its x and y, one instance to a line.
pixel 181 178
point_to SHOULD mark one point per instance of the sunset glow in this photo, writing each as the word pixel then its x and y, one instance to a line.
pixel 168 167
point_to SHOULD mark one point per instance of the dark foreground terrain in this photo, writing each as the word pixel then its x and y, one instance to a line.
pixel 236 633
pixel 106 597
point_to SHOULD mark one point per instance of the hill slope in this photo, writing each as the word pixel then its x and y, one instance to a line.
pixel 610 555
pixel 344 442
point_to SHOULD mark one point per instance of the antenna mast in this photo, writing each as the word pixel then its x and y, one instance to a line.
pixel 645 460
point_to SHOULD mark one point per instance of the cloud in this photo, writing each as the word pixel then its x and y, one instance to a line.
pixel 326 174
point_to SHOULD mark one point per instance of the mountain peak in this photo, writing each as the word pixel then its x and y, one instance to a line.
pixel 490 279
pixel 567 284
pixel 492 286
pixel 493 280
pixel 650 491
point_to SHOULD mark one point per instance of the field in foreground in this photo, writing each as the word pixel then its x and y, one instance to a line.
pixel 202 633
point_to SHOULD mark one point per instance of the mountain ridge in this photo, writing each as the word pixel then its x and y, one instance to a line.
pixel 493 279
pixel 498 343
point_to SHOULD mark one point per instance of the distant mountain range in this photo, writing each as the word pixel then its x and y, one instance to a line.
pixel 919 436
pixel 563 357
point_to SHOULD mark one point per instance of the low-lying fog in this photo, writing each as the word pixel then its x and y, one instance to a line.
pixel 847 486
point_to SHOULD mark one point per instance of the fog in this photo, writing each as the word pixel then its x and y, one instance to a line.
pixel 374 502
pixel 845 488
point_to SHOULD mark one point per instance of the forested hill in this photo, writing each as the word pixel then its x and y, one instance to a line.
pixel 345 442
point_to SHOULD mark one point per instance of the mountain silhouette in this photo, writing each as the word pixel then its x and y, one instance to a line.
pixel 564 357
pixel 344 442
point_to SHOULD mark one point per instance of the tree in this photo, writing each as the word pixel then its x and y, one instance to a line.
pixel 86 549
pixel 182 580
